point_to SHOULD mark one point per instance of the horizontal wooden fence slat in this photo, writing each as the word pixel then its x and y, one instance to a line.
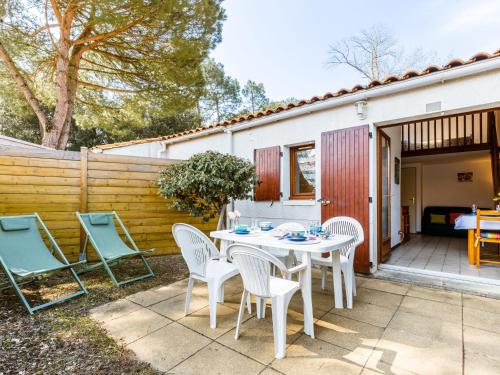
pixel 53 183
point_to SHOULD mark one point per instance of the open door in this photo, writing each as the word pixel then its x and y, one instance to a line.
pixel 344 182
pixel 409 194
pixel 384 196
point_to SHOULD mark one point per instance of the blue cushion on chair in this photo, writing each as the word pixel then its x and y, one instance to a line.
pixel 11 224
pixel 99 219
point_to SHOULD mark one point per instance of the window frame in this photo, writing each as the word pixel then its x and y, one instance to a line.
pixel 293 194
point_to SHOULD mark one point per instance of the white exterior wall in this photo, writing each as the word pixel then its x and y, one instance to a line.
pixel 458 95
pixel 150 150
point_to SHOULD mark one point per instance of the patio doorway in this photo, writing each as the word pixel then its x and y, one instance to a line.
pixel 430 172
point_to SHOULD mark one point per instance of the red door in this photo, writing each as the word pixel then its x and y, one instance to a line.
pixel 344 182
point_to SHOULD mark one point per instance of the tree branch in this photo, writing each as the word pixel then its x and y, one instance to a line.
pixel 113 89
pixel 101 37
pixel 24 88
pixel 57 11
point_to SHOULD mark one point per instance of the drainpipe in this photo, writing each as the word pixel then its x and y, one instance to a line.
pixel 230 151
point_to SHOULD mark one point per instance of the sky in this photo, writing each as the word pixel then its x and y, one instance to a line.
pixel 284 43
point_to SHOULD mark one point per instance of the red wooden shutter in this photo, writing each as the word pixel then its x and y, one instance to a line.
pixel 344 182
pixel 267 165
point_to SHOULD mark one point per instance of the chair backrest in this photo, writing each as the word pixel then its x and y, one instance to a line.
pixel 22 246
pixel 254 265
pixel 196 247
pixel 347 226
pixel 102 231
pixel 485 215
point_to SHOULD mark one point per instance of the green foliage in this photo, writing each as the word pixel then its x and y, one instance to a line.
pixel 254 96
pixel 141 60
pixel 221 97
pixel 206 182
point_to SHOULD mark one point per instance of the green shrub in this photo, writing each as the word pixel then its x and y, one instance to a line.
pixel 204 184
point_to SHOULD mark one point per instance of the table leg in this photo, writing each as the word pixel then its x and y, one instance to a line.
pixel 306 288
pixel 471 250
pixel 337 280
pixel 223 250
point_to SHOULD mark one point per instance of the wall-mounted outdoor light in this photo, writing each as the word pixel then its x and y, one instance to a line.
pixel 362 109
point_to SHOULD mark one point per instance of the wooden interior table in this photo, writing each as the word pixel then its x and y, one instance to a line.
pixel 265 239
pixel 469 222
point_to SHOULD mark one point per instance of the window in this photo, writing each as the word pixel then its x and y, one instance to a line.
pixel 302 172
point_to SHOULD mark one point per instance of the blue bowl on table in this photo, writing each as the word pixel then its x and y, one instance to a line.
pixel 241 229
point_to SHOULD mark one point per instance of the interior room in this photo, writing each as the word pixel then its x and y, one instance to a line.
pixel 432 174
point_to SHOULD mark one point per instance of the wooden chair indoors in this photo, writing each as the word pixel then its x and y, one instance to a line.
pixel 484 235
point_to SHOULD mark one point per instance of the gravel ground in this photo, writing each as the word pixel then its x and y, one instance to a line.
pixel 63 339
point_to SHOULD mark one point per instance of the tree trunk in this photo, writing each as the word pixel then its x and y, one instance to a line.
pixel 221 224
pixel 66 84
pixel 24 88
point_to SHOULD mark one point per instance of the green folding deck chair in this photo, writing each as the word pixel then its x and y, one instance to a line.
pixel 101 232
pixel 24 256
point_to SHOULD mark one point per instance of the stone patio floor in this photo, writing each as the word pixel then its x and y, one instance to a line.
pixel 393 329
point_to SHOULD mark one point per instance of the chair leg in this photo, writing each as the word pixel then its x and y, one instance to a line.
pixel 279 307
pixel 213 290
pixel 249 303
pixel 348 287
pixel 324 271
pixel 354 291
pixel 188 295
pixel 244 299
pixel 258 306
pixel 220 294
pixel 478 255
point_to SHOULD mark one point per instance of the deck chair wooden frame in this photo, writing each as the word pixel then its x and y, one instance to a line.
pixel 485 215
pixel 107 261
pixel 16 277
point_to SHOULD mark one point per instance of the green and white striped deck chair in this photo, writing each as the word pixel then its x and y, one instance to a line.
pixel 102 234
pixel 25 256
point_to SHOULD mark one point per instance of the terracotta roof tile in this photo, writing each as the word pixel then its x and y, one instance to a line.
pixel 284 107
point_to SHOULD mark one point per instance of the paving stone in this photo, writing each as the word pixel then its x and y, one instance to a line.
pixel 309 356
pixel 432 309
pixel 113 310
pixel 135 325
pixel 367 313
pixel 481 303
pixel 377 297
pixel 437 295
pixel 257 339
pixel 385 286
pixel 421 354
pixel 482 342
pixel 200 321
pixel 217 360
pixel 484 320
pixel 478 364
pixel 347 333
pixel 168 346
pixel 173 308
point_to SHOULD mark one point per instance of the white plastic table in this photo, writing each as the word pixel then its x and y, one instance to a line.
pixel 265 239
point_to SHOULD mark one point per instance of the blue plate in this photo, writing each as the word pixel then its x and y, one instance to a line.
pixel 296 239
pixel 242 232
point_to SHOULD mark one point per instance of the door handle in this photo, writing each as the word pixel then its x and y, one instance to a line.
pixel 413 200
pixel 324 201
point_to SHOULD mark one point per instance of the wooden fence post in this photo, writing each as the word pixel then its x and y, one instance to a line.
pixel 83 188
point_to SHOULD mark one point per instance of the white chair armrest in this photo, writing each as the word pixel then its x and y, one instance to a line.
pixel 296 269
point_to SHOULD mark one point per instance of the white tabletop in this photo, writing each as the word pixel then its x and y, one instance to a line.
pixel 469 221
pixel 265 239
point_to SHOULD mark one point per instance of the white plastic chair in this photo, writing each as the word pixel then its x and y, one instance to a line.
pixel 201 257
pixel 254 265
pixel 347 226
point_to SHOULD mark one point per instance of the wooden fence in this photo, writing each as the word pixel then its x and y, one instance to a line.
pixel 56 184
